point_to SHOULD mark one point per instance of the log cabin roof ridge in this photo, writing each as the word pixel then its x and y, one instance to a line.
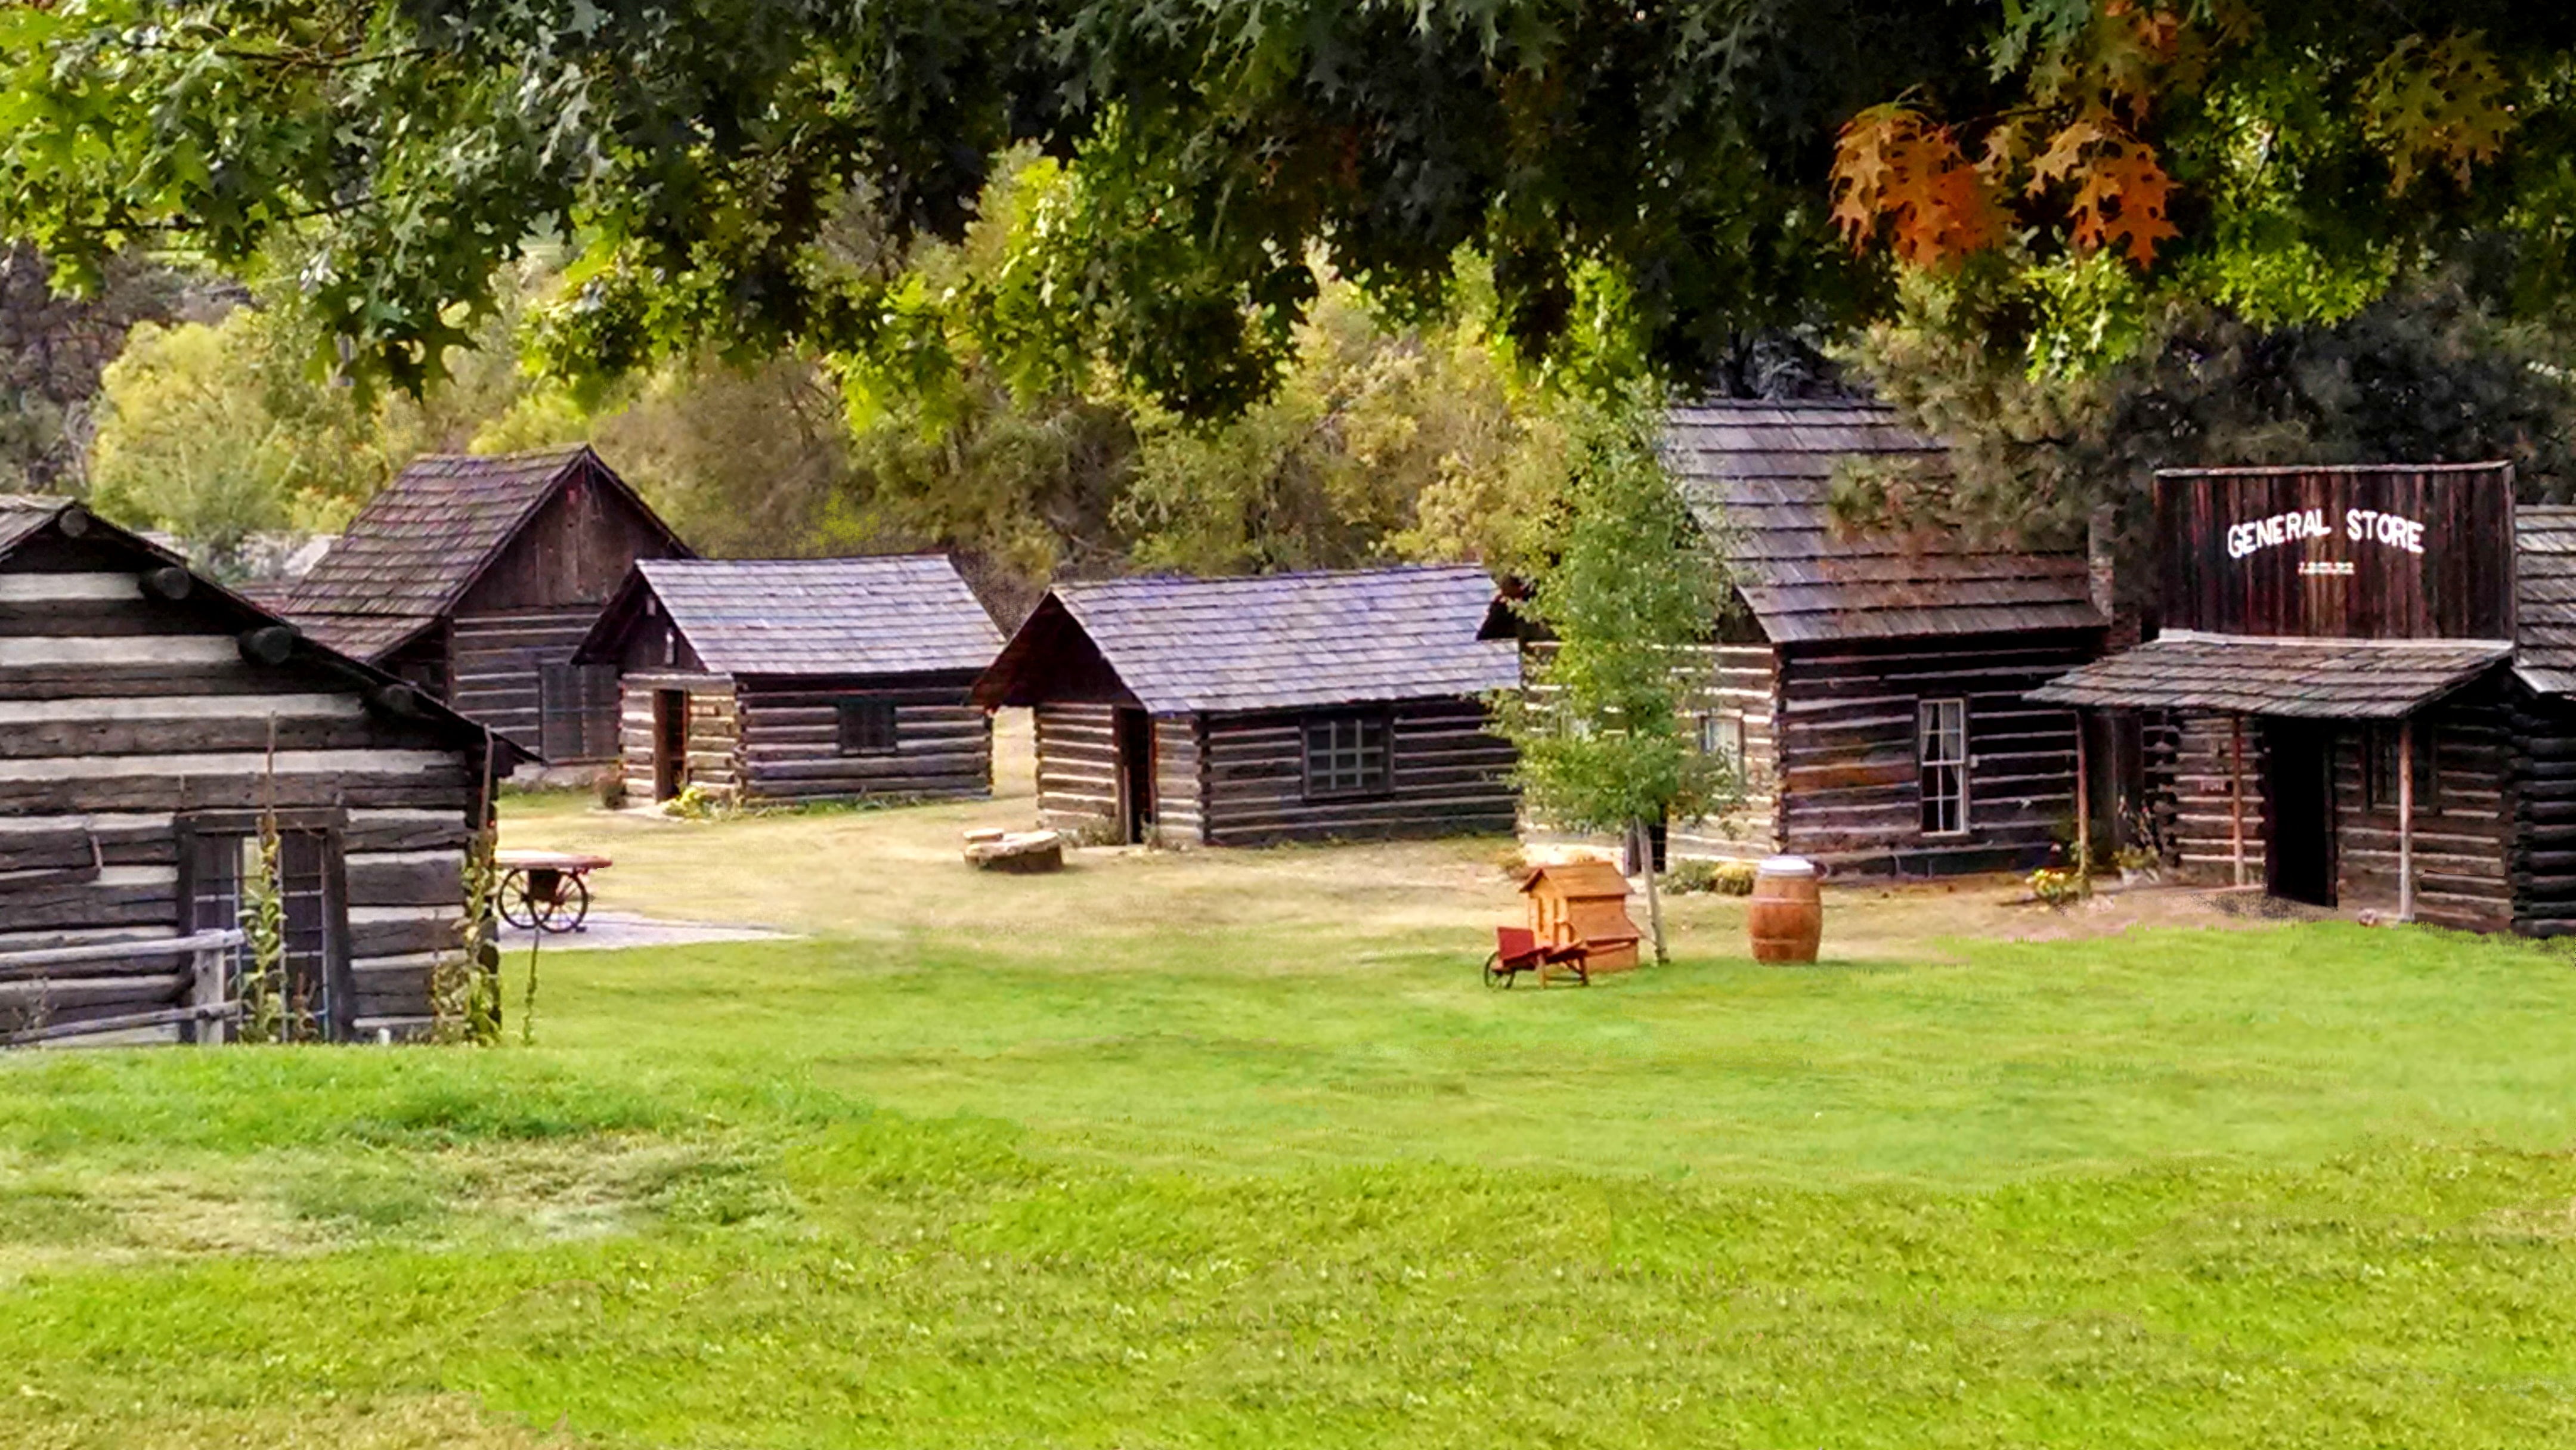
pixel 1760 476
pixel 1278 641
pixel 884 614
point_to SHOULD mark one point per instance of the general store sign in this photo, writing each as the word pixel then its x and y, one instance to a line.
pixel 2398 553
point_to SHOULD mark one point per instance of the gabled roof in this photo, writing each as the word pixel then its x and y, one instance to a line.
pixel 1278 641
pixel 1760 475
pixel 2545 598
pixel 23 517
pixel 888 615
pixel 416 547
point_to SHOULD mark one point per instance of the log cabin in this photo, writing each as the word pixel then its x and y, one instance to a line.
pixel 2363 691
pixel 151 718
pixel 476 577
pixel 1289 707
pixel 1872 687
pixel 786 680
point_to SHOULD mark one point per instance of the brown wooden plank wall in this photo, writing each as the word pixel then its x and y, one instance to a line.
pixel 1450 775
pixel 1077 768
pixel 124 714
pixel 496 659
pixel 712 762
pixel 1179 814
pixel 2462 824
pixel 790 729
pixel 1848 776
pixel 2189 766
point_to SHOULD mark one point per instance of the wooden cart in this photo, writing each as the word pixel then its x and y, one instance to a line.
pixel 546 890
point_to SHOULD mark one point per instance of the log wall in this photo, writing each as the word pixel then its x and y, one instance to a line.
pixel 2462 822
pixel 123 716
pixel 1078 769
pixel 790 739
pixel 1847 773
pixel 2189 771
pixel 1179 786
pixel 495 660
pixel 2542 859
pixel 1743 682
pixel 1448 775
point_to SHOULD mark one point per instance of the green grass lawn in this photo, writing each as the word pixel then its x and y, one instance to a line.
pixel 1175 1178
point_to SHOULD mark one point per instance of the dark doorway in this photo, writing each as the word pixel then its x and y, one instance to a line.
pixel 2298 810
pixel 1135 776
pixel 670 742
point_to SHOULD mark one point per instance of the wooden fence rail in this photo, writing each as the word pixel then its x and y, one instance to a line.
pixel 208 1001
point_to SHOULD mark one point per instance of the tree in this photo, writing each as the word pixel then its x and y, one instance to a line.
pixel 1605 728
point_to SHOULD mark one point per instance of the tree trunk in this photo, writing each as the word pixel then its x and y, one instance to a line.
pixel 1642 841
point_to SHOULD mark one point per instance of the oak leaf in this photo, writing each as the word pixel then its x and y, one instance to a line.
pixel 2442 103
pixel 1895 167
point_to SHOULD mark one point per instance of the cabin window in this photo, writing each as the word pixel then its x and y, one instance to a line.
pixel 577 712
pixel 1722 734
pixel 220 855
pixel 1941 754
pixel 868 727
pixel 1346 755
pixel 2379 768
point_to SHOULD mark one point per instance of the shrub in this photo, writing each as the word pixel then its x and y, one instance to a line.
pixel 1735 878
pixel 1691 876
pixel 610 786
pixel 2056 887
pixel 695 803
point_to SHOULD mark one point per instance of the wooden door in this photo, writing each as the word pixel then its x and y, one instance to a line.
pixel 1135 776
pixel 670 742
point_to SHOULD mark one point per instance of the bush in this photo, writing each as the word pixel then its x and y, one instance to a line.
pixel 1728 878
pixel 610 786
pixel 693 803
pixel 2056 887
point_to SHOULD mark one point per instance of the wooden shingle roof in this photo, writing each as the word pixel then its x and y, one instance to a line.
pixel 888 615
pixel 2545 598
pixel 1278 641
pixel 417 546
pixel 2306 678
pixel 1761 474
pixel 22 514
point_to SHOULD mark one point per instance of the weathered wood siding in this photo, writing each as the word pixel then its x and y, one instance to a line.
pixel 1848 774
pixel 121 716
pixel 712 760
pixel 2462 821
pixel 1077 750
pixel 1449 774
pixel 790 730
pixel 1179 787
pixel 2192 772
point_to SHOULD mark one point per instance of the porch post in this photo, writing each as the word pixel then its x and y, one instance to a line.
pixel 2406 819
pixel 2236 793
pixel 2083 799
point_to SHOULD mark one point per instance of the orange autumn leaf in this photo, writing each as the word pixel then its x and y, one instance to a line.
pixel 2121 189
pixel 1897 169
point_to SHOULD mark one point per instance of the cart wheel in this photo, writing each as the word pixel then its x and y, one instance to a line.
pixel 571 907
pixel 518 908
pixel 1496 974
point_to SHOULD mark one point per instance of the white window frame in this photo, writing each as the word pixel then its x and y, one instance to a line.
pixel 1941 762
pixel 1721 733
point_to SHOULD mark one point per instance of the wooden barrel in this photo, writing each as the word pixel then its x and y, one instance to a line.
pixel 1787 918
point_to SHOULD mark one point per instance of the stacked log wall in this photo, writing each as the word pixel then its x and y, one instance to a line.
pixel 1743 680
pixel 496 660
pixel 2541 860
pixel 790 739
pixel 1848 776
pixel 2463 831
pixel 120 715
pixel 1077 748
pixel 1449 774
pixel 1180 817
pixel 2189 760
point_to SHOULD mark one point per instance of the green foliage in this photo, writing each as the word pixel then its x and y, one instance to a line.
pixel 260 986
pixel 2432 373
pixel 1604 726
pixel 465 986
pixel 1725 878
pixel 2057 889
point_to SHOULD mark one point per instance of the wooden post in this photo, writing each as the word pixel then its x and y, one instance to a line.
pixel 2406 819
pixel 2083 802
pixel 2236 793
pixel 206 994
